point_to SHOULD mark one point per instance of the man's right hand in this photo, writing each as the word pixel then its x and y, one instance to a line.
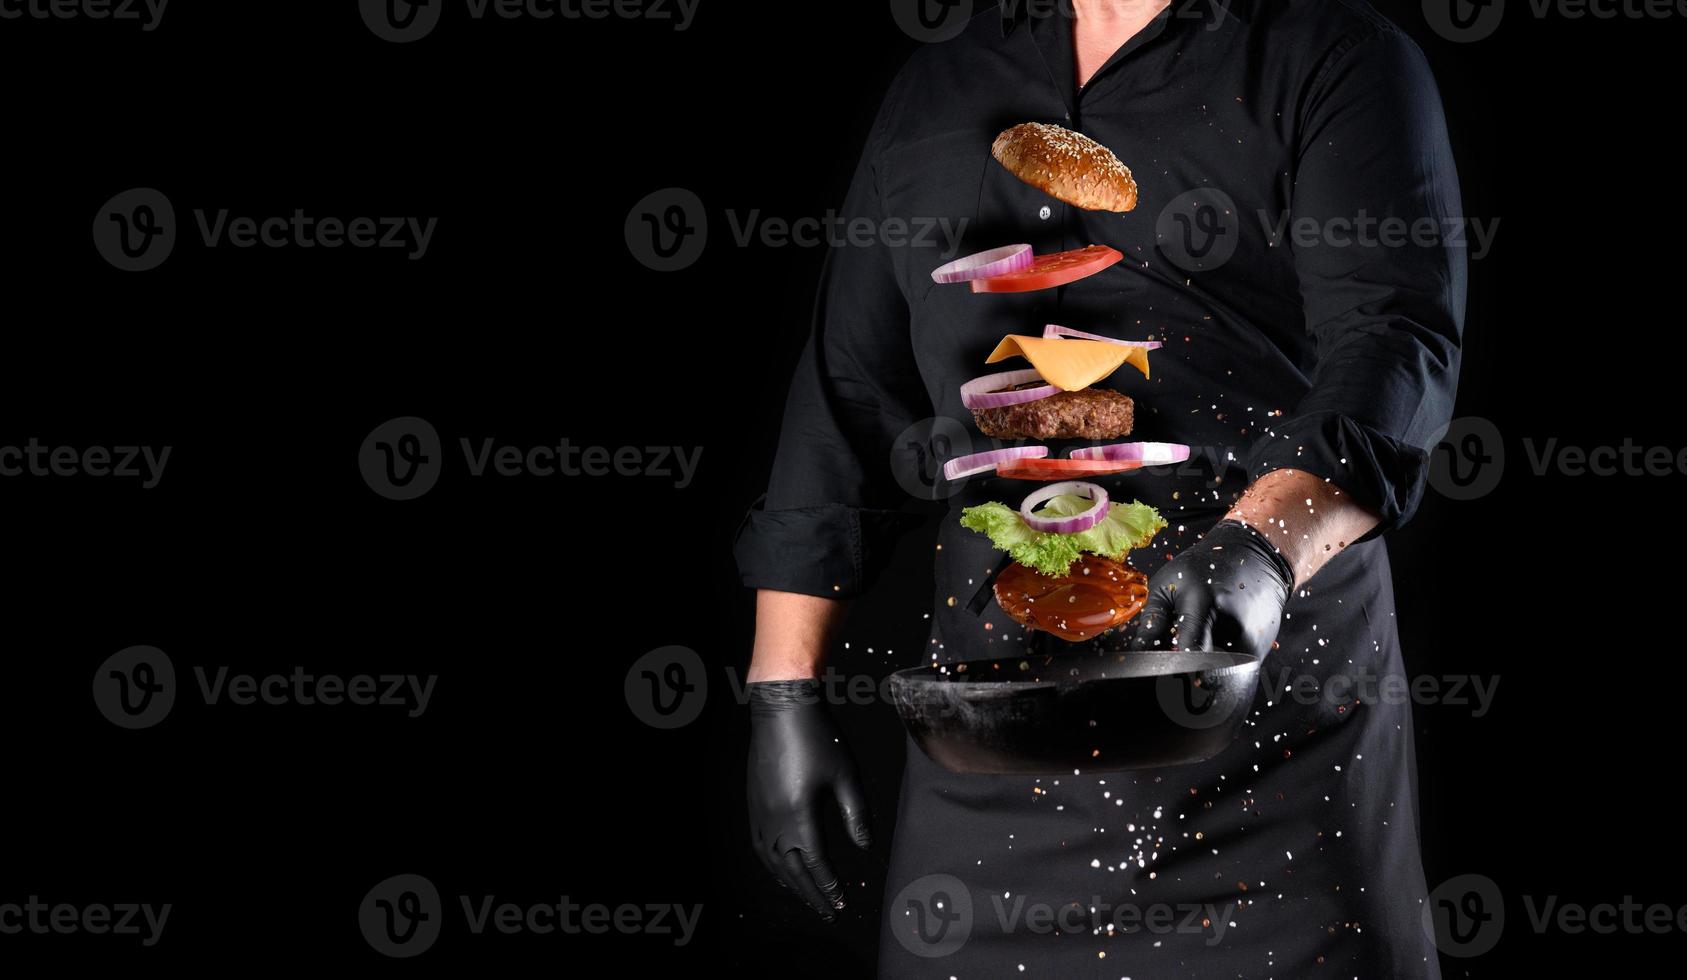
pixel 797 758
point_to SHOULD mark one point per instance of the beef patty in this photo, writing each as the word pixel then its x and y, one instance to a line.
pixel 1093 413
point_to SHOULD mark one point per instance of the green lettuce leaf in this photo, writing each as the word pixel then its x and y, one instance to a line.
pixel 1126 526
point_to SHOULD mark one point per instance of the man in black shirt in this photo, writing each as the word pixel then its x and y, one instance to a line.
pixel 1309 358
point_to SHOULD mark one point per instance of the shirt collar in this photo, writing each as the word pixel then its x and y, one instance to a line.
pixel 1015 12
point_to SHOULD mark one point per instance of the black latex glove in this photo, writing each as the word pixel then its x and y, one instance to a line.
pixel 1224 592
pixel 797 758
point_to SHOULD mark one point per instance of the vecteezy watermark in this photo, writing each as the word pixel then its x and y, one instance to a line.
pixel 136 231
pixel 1359 684
pixel 403 916
pixel 37 459
pixel 38 917
pixel 1465 916
pixel 834 230
pixel 667 687
pixel 1200 229
pixel 1627 458
pixel 932 916
pixel 147 13
pixel 667 230
pixel 935 915
pixel 919 452
pixel 402 21
pixel 1366 230
pixel 401 459
pixel 136 688
pixel 1474 20
pixel 1628 916
pixel 1469 459
pixel 1463 20
pixel 932 21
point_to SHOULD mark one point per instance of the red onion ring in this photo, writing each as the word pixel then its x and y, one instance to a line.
pixel 964 466
pixel 986 265
pixel 1056 330
pixel 1146 453
pixel 1065 525
pixel 982 393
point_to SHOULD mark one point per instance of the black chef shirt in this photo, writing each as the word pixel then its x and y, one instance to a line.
pixel 1296 247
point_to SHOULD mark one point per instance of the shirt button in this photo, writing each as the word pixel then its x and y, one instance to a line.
pixel 1044 213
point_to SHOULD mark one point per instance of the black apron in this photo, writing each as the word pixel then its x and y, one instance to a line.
pixel 1292 854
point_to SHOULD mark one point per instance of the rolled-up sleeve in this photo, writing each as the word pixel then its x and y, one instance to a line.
pixel 833 509
pixel 1382 278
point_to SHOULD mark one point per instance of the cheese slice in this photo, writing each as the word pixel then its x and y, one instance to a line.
pixel 1068 364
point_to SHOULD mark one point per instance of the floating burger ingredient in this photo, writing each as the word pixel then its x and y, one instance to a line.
pixel 1032 462
pixel 1013 269
pixel 1048 271
pixel 1118 457
pixel 1054 400
pixel 1067 166
pixel 1068 544
pixel 994 262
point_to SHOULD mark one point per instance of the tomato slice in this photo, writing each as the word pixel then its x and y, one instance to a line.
pixel 1064 469
pixel 1048 271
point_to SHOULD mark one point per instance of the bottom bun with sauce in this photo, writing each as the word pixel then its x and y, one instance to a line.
pixel 1096 595
pixel 1069 575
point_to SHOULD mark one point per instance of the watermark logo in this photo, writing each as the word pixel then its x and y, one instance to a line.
pixel 1198 230
pixel 1362 684
pixel 401 21
pixel 37 459
pixel 1464 20
pixel 148 13
pixel 38 917
pixel 1465 916
pixel 1190 701
pixel 401 917
pixel 136 230
pixel 401 458
pixel 1468 460
pixel 932 916
pixel 1475 236
pixel 667 229
pixel 932 21
pixel 135 687
pixel 919 452
pixel 667 687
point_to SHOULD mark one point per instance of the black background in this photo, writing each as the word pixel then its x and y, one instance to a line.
pixel 528 321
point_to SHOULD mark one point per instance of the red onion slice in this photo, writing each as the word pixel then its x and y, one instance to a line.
pixel 982 393
pixel 1065 525
pixel 1146 453
pixel 964 466
pixel 986 265
pixel 1056 330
